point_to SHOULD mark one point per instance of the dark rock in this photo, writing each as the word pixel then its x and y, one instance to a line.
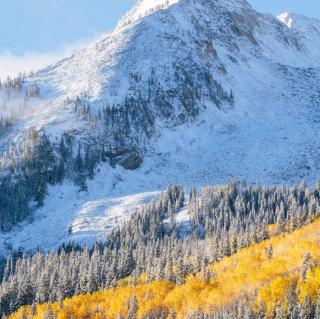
pixel 131 161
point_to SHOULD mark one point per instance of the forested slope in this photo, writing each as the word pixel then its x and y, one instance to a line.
pixel 278 278
pixel 167 240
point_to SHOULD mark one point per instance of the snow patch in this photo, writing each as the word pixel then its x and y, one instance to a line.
pixel 70 216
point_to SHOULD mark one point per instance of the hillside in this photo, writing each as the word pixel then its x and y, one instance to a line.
pixel 180 92
pixel 273 279
pixel 168 239
pixel 211 97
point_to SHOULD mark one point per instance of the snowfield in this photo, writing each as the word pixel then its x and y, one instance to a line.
pixel 70 216
pixel 270 135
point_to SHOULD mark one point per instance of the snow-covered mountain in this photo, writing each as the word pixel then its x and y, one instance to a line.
pixel 182 91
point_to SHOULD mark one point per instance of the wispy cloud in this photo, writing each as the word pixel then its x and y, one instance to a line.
pixel 12 65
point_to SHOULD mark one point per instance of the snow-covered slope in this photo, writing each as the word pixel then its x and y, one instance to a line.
pixel 193 50
pixel 307 29
pixel 158 33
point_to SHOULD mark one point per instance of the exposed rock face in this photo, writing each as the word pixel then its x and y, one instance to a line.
pixel 131 161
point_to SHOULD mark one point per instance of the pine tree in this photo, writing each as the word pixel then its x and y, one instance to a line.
pixel 317 310
pixel 269 251
pixel 26 293
pixel 171 216
pixel 306 311
pixel 49 314
pixel 132 308
pixel 292 299
pixel 33 310
pixel 23 315
pixel 305 265
pixel 261 311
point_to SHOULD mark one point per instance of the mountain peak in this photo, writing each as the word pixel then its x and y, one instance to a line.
pixel 305 28
pixel 286 18
pixel 298 21
pixel 189 90
pixel 144 8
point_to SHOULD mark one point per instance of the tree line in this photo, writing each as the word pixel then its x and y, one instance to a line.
pixel 221 221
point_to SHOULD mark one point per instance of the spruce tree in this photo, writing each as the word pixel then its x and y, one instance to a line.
pixel 317 310
pixel 132 308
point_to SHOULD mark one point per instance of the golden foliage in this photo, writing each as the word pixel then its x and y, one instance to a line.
pixel 250 275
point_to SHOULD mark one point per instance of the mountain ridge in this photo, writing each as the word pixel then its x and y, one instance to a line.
pixel 197 93
pixel 175 6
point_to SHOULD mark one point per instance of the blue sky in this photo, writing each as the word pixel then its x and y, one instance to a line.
pixel 45 25
pixel 50 28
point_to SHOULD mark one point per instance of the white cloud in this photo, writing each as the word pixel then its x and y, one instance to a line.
pixel 12 65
